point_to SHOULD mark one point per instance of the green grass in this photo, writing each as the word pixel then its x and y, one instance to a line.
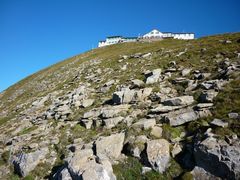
pixel 27 130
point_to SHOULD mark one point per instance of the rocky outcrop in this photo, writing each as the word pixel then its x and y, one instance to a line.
pixel 24 163
pixel 219 158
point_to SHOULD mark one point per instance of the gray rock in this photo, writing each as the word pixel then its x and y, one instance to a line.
pixel 147 56
pixel 83 165
pixel 112 122
pixel 179 101
pixel 156 131
pixel 158 154
pixel 186 71
pixel 204 105
pixel 233 115
pixel 87 123
pixel 208 96
pixel 181 116
pixel 199 173
pixel 123 97
pixel 176 149
pixel 63 175
pixel 25 163
pixel 219 122
pixel 92 114
pixel 146 169
pixel 153 76
pixel 113 111
pixel 164 109
pixel 95 171
pixel 87 102
pixel 136 83
pixel 110 146
pixel 144 124
pixel 218 157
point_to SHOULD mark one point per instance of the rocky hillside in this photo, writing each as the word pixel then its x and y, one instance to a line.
pixel 147 110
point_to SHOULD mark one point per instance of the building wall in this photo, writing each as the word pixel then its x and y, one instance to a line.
pixel 153 34
pixel 184 36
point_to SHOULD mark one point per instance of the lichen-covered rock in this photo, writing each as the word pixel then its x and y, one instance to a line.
pixel 158 154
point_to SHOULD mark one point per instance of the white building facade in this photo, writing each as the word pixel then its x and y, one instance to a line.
pixel 152 35
pixel 155 34
pixel 116 39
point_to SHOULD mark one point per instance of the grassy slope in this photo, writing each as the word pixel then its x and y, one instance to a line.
pixel 109 56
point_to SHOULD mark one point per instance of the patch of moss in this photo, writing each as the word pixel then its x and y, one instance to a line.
pixel 187 176
pixel 170 132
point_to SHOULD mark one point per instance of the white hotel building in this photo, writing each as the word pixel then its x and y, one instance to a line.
pixel 152 35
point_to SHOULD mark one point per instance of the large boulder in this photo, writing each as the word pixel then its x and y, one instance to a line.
pixel 84 165
pixel 181 116
pixel 26 162
pixel 218 157
pixel 110 146
pixel 158 154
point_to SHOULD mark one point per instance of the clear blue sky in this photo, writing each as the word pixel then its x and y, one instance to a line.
pixel 37 33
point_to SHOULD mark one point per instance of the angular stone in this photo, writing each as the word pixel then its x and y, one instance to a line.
pixel 144 124
pixel 199 173
pixel 113 111
pixel 164 109
pixel 112 122
pixel 179 101
pixel 204 105
pixel 186 71
pixel 208 96
pixel 219 122
pixel 233 115
pixel 25 163
pixel 156 131
pixel 110 146
pixel 181 116
pixel 87 123
pixel 123 97
pixel 153 76
pixel 136 83
pixel 92 114
pixel 87 102
pixel 158 154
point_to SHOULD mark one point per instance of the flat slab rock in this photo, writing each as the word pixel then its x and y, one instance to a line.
pixel 144 124
pixel 181 116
